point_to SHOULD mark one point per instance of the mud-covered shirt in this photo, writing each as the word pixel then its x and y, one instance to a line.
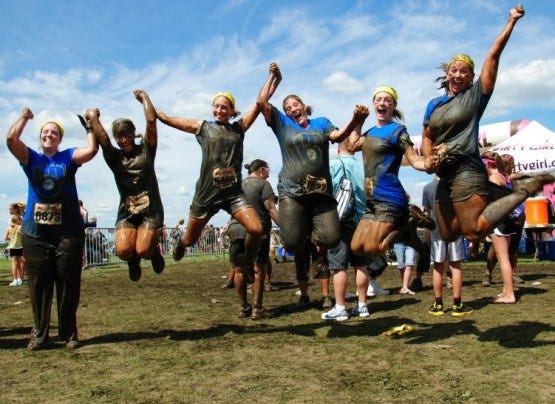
pixel 135 177
pixel 382 153
pixel 52 202
pixel 455 121
pixel 304 154
pixel 258 190
pixel 222 156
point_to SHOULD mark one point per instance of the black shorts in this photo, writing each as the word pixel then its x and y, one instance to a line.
pixel 140 221
pixel 16 252
pixel 237 251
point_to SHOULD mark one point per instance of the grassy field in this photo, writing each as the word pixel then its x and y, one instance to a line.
pixel 175 337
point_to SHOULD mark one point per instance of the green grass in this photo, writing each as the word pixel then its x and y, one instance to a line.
pixel 175 337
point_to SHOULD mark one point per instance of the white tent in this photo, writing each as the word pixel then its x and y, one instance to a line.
pixel 533 148
pixel 531 144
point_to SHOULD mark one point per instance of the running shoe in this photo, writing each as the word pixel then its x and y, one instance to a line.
pixel 157 261
pixel 134 266
pixel 245 312
pixel 460 311
pixel 178 250
pixel 360 311
pixel 303 303
pixel 336 315
pixel 328 302
pixel 436 309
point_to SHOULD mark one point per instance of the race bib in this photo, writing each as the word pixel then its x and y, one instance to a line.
pixel 369 188
pixel 137 204
pixel 314 184
pixel 48 213
pixel 224 177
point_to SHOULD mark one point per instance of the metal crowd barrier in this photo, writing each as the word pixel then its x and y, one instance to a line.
pixel 100 246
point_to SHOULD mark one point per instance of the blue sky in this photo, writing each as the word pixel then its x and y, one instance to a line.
pixel 60 57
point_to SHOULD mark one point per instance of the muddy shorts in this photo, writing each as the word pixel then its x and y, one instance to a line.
pixel 381 212
pixel 231 204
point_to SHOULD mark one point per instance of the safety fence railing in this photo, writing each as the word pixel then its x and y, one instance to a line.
pixel 100 246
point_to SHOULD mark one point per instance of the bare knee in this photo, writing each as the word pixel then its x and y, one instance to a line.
pixel 125 252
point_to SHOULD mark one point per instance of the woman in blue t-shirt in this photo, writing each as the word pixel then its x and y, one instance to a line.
pixel 386 218
pixel 52 231
pixel 307 207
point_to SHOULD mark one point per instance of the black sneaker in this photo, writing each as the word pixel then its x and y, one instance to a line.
pixel 178 251
pixel 303 303
pixel 245 311
pixel 416 284
pixel 134 266
pixel 462 310
pixel 157 261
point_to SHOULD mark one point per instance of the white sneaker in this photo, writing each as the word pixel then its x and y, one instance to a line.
pixel 13 283
pixel 376 288
pixel 336 315
pixel 360 311
pixel 19 282
pixel 370 292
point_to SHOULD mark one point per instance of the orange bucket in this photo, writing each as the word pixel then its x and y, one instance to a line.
pixel 536 211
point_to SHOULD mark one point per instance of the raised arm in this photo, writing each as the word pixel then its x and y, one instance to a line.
pixel 360 114
pixel 151 135
pixel 83 154
pixel 13 141
pixel 264 95
pixel 267 91
pixel 184 124
pixel 491 63
pixel 92 115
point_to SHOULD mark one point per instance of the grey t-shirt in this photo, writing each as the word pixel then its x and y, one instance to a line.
pixel 134 175
pixel 222 152
pixel 257 191
pixel 455 122
pixel 304 154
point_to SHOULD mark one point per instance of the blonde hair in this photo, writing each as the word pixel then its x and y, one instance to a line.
pixel 59 125
pixel 15 219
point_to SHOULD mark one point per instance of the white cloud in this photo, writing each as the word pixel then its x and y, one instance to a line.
pixel 343 83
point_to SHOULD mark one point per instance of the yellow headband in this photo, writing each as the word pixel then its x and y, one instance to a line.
pixel 226 95
pixel 60 127
pixel 385 89
pixel 461 57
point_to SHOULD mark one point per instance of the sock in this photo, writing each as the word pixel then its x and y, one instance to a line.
pixel 439 301
pixel 457 301
pixel 339 307
pixel 361 304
